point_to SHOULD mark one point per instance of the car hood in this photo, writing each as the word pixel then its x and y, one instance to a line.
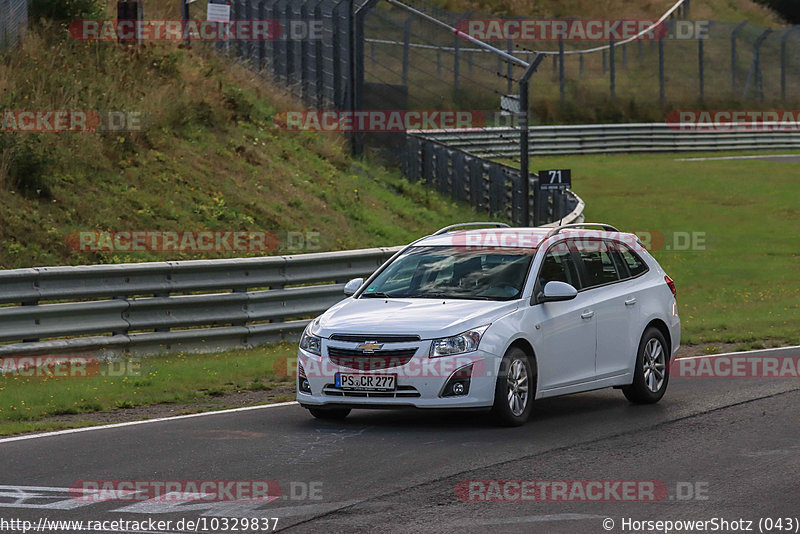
pixel 427 318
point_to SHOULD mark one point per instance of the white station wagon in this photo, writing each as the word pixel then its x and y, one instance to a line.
pixel 495 318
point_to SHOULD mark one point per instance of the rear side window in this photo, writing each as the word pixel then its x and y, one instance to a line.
pixel 559 266
pixel 636 265
pixel 598 265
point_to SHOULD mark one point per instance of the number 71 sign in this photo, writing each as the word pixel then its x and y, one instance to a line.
pixel 555 180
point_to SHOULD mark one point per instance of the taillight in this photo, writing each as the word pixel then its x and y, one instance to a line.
pixel 671 285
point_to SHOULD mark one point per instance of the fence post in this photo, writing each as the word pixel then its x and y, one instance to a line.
pixel 457 55
pixel 406 46
pixel 185 18
pixel 759 77
pixel 561 83
pixel 319 61
pixel 735 34
pixel 784 40
pixel 701 69
pixel 662 89
pixel 755 68
pixel 612 68
pixel 456 65
pixel 510 67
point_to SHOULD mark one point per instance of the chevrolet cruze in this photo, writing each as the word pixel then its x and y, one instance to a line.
pixel 477 317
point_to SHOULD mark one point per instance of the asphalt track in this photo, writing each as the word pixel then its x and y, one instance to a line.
pixel 732 442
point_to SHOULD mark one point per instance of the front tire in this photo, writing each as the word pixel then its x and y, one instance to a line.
pixel 515 389
pixel 330 414
pixel 651 375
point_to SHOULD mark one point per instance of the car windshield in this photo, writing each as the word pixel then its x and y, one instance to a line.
pixel 454 273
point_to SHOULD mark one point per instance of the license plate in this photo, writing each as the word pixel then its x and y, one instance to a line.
pixel 361 382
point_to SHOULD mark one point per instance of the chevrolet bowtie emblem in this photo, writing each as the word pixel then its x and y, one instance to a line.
pixel 370 346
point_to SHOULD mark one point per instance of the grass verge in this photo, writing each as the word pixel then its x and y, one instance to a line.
pixel 35 402
pixel 742 284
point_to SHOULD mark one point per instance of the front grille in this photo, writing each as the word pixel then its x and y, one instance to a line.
pixel 377 338
pixel 400 392
pixel 358 360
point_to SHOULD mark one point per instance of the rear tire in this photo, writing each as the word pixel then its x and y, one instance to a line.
pixel 330 414
pixel 651 376
pixel 515 389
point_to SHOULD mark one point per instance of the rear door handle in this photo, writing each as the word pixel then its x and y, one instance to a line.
pixel 630 301
pixel 587 315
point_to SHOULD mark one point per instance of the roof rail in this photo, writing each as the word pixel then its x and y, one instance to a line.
pixel 453 226
pixel 554 231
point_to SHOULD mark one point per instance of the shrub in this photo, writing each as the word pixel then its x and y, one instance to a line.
pixel 64 10
pixel 28 168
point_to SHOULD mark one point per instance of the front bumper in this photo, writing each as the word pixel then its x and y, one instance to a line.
pixel 420 382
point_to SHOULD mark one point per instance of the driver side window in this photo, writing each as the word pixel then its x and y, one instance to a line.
pixel 559 266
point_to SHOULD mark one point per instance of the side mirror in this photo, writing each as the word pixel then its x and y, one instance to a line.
pixel 352 286
pixel 558 292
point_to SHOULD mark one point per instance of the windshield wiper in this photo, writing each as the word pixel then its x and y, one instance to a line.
pixel 376 295
pixel 448 296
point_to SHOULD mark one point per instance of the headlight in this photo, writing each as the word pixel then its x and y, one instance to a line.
pixel 309 342
pixel 460 344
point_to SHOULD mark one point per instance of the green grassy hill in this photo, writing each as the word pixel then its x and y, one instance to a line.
pixel 208 157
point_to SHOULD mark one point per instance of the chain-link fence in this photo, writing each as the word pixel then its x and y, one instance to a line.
pixel 401 56
pixel 13 21
pixel 315 66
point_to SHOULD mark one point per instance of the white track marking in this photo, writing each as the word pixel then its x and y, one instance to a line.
pixel 723 158
pixel 760 352
pixel 144 422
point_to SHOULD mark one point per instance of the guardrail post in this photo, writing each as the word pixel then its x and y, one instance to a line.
pixel 31 303
pixel 125 317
